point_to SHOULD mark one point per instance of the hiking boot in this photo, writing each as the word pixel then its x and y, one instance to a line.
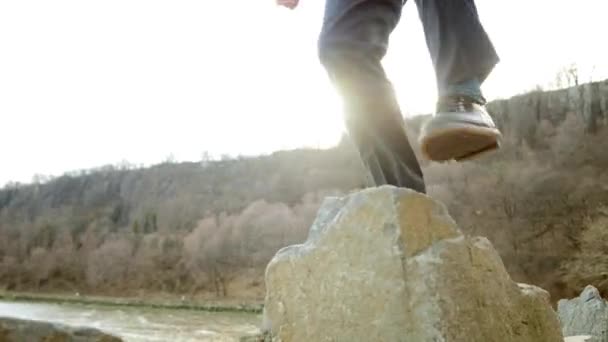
pixel 461 129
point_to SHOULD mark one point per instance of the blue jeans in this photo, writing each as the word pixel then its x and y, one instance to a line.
pixel 353 41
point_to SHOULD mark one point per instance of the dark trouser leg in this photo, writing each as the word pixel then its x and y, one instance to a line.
pixel 353 41
pixel 460 48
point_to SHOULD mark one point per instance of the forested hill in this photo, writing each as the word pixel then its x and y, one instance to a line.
pixel 176 195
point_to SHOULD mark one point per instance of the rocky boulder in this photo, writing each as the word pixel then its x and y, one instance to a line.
pixel 17 330
pixel 389 264
pixel 585 315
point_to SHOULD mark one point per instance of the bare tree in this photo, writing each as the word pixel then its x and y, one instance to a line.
pixel 109 264
pixel 567 76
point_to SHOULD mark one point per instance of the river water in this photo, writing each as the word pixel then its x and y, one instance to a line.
pixel 141 324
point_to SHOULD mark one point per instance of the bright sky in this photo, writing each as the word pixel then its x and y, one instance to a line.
pixel 86 83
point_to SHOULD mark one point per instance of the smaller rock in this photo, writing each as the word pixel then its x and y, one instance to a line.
pixel 261 337
pixel 17 330
pixel 585 315
pixel 580 338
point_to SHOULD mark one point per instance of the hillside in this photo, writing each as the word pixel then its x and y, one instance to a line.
pixel 209 228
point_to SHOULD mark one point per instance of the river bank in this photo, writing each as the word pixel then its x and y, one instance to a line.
pixel 138 323
pixel 164 301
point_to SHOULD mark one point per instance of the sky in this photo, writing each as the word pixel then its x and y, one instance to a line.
pixel 88 83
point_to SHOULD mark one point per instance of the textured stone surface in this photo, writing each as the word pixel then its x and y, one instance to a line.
pixel 579 338
pixel 388 264
pixel 585 315
pixel 17 330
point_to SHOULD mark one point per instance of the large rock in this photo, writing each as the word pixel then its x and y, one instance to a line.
pixel 388 264
pixel 585 315
pixel 17 330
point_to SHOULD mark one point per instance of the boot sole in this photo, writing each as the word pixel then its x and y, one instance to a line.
pixel 459 142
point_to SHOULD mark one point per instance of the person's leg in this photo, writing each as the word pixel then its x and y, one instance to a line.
pixel 353 41
pixel 459 46
pixel 463 57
